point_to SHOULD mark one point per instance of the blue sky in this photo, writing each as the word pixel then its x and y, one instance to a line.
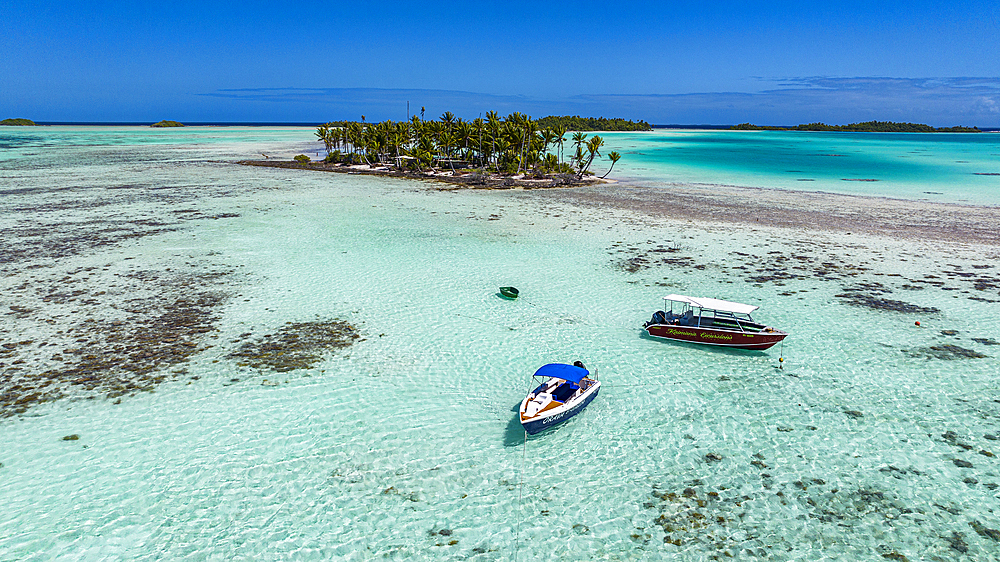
pixel 664 62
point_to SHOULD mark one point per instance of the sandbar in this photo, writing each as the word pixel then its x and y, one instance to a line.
pixel 818 211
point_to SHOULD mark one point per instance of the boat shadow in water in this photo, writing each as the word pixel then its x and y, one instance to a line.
pixel 514 435
pixel 736 352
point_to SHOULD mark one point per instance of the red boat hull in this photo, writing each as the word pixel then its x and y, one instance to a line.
pixel 718 338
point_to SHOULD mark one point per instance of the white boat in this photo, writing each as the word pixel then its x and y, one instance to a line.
pixel 559 392
pixel 711 322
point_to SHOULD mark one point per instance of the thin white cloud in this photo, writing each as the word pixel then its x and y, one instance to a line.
pixel 835 100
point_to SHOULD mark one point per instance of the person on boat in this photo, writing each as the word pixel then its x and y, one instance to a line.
pixel 578 364
pixel 688 318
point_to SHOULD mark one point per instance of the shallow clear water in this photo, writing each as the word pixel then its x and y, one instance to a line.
pixel 940 167
pixel 405 445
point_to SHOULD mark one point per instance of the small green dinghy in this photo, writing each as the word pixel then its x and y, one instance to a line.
pixel 509 292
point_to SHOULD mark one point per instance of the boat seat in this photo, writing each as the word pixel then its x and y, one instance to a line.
pixel 564 392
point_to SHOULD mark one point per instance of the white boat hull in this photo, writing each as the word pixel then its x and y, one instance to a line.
pixel 535 422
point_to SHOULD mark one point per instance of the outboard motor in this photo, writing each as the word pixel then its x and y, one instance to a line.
pixel 659 317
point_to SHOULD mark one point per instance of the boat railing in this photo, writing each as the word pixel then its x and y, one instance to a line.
pixel 727 320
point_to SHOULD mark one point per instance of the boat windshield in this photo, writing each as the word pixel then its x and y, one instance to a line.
pixel 688 314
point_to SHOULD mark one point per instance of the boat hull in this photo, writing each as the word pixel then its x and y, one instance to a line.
pixel 509 292
pixel 543 422
pixel 714 337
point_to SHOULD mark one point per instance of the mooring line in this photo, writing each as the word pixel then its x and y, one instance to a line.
pixel 545 308
pixel 484 321
pixel 520 495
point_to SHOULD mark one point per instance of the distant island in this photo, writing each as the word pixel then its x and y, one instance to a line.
pixel 18 122
pixel 577 123
pixel 166 123
pixel 866 127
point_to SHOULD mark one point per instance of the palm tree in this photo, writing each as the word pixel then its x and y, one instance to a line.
pixel 477 130
pixel 548 137
pixel 509 145
pixel 401 138
pixel 417 130
pixel 615 157
pixel 560 133
pixel 339 137
pixel 503 154
pixel 323 134
pixel 593 150
pixel 353 135
pixel 447 138
pixel 492 134
pixel 464 135
pixel 527 153
pixel 423 151
pixel 579 138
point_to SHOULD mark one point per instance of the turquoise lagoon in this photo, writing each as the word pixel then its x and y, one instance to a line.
pixel 874 437
pixel 941 167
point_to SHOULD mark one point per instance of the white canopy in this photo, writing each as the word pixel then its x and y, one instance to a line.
pixel 713 304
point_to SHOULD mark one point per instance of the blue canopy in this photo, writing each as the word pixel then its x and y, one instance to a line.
pixel 562 371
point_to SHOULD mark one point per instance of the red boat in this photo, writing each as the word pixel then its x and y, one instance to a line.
pixel 711 322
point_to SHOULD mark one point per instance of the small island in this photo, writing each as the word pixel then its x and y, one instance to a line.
pixel 166 123
pixel 866 127
pixel 490 152
pixel 18 123
pixel 577 123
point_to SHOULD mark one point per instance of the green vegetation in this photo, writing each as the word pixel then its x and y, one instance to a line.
pixel 592 124
pixel 614 157
pixel 18 122
pixel 166 123
pixel 506 146
pixel 866 127
pixel 752 127
pixel 301 158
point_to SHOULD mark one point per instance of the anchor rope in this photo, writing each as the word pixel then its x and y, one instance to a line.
pixel 484 321
pixel 520 495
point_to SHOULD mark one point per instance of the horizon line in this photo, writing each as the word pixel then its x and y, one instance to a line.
pixel 709 126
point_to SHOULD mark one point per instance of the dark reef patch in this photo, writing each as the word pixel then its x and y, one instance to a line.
pixel 112 358
pixel 297 345
pixel 712 521
pixel 641 259
pixel 101 325
pixel 877 303
pixel 945 352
